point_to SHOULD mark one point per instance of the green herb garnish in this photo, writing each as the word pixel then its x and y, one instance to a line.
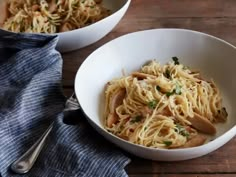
pixel 170 93
pixel 181 130
pixel 152 104
pixel 167 74
pixel 167 143
pixel 177 91
pixel 136 119
pixel 184 133
pixel 176 60
pixel 158 88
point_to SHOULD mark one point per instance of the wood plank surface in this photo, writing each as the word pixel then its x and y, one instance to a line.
pixel 182 8
pixel 220 161
pixel 214 17
pixel 183 175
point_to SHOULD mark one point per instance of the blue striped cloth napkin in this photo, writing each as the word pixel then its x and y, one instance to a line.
pixel 30 99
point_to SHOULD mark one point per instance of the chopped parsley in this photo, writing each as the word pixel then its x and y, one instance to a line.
pixel 145 128
pixel 185 133
pixel 181 130
pixel 152 104
pixel 177 91
pixel 136 119
pixel 170 93
pixel 176 60
pixel 158 88
pixel 167 143
pixel 167 74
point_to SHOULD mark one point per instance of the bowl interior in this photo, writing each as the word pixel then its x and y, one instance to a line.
pixel 214 58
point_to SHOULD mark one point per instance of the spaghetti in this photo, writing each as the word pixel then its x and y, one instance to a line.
pixel 167 106
pixel 51 16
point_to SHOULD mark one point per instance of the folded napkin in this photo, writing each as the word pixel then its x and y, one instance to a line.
pixel 30 99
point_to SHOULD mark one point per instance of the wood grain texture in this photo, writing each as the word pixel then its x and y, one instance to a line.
pixel 183 8
pixel 214 17
pixel 221 161
pixel 183 175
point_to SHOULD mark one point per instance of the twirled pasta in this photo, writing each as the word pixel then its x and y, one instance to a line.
pixel 166 106
pixel 51 16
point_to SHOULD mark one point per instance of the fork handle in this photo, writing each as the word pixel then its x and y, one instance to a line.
pixel 27 160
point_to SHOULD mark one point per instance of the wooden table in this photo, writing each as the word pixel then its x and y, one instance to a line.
pixel 215 17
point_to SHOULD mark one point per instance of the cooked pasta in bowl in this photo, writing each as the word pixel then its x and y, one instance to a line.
pixel 162 94
pixel 62 17
pixel 167 106
pixel 53 16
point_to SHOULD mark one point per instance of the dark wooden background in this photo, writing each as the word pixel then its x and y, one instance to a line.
pixel 215 17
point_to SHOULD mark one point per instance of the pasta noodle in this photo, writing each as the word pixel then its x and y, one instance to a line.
pixel 52 16
pixel 167 106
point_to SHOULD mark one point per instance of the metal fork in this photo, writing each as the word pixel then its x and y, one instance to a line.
pixel 24 163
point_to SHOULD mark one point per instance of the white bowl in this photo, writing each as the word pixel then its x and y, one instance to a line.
pixel 76 39
pixel 82 37
pixel 214 57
